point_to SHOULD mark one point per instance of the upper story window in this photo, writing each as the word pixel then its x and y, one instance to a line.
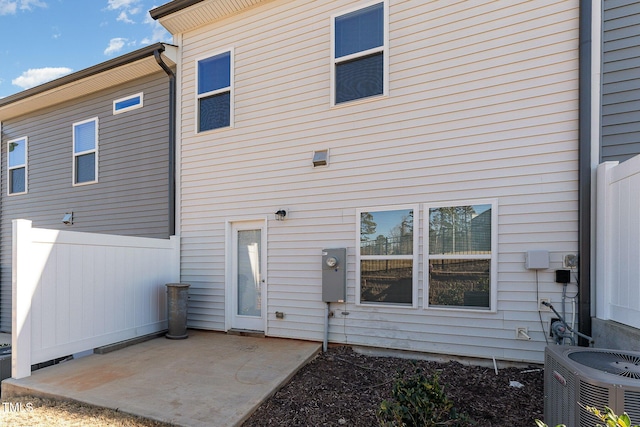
pixel 461 255
pixel 17 162
pixel 387 257
pixel 128 103
pixel 360 58
pixel 85 152
pixel 214 99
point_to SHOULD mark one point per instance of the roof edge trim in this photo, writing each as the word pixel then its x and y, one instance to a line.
pixel 171 7
pixel 87 72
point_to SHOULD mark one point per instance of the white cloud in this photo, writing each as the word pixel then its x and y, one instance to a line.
pixel 115 45
pixel 36 76
pixel 123 17
pixel 28 4
pixel 9 7
pixel 158 32
pixel 121 4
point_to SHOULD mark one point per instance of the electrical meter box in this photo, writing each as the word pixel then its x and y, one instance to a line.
pixel 334 275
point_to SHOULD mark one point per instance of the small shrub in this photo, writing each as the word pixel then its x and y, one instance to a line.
pixel 418 401
pixel 609 417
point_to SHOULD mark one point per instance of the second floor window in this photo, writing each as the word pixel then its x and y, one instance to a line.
pixel 85 152
pixel 359 54
pixel 17 149
pixel 214 100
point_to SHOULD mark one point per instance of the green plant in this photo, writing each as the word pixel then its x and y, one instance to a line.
pixel 418 401
pixel 609 417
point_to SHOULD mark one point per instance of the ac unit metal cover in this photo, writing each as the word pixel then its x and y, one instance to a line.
pixel 592 377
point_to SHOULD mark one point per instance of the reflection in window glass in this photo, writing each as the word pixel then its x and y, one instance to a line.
pixel 386 232
pixel 85 151
pixel 459 272
pixel 17 161
pixel 461 283
pixel 387 256
pixel 127 104
pixel 214 92
pixel 389 280
pixel 359 45
pixel 460 230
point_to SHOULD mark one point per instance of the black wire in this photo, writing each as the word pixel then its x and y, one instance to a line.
pixel 544 333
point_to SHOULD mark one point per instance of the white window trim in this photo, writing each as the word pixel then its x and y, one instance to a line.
pixel 132 107
pixel 415 257
pixel 230 89
pixel 74 154
pixel 493 276
pixel 25 166
pixel 385 55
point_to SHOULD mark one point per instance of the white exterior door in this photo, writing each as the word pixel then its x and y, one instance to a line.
pixel 248 275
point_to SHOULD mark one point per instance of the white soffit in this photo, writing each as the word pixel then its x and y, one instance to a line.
pixel 204 13
pixel 88 85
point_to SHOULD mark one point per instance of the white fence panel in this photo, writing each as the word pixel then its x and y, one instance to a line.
pixel 618 242
pixel 76 291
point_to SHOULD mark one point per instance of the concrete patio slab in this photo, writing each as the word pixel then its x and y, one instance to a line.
pixel 209 379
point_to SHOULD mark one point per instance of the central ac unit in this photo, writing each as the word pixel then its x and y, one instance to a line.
pixel 592 377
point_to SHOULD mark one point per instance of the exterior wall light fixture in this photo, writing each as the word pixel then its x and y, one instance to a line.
pixel 280 214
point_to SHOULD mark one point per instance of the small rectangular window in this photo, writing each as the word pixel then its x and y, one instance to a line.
pixel 128 103
pixel 17 162
pixel 387 257
pixel 460 255
pixel 214 99
pixel 85 152
pixel 360 54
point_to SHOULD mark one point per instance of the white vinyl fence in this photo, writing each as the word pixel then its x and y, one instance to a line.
pixel 76 291
pixel 618 242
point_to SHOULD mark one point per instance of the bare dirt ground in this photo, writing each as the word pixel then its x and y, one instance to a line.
pixel 338 388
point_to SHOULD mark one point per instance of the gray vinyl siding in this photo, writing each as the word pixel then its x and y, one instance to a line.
pixel 131 195
pixel 621 80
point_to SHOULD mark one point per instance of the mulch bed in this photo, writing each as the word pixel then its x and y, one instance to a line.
pixel 344 388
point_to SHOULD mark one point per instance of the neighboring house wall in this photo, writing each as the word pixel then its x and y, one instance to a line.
pixel 482 105
pixel 620 142
pixel 621 80
pixel 131 195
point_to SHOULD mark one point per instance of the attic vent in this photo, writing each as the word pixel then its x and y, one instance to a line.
pixel 621 364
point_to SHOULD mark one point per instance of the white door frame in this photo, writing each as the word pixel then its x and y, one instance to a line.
pixel 230 280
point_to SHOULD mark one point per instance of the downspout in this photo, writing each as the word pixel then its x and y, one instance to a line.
pixel 584 169
pixel 172 140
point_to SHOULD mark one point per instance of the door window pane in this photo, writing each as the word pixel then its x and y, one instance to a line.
pixel 249 275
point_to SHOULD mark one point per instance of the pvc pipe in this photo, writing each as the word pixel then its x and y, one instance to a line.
pixel 326 328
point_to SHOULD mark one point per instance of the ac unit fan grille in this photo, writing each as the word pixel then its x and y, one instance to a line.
pixel 621 364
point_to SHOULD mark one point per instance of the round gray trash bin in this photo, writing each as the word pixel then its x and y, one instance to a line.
pixel 177 295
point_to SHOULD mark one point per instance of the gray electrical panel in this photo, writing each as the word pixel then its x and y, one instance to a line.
pixel 334 275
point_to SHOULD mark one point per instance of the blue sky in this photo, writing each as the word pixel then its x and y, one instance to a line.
pixel 46 39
